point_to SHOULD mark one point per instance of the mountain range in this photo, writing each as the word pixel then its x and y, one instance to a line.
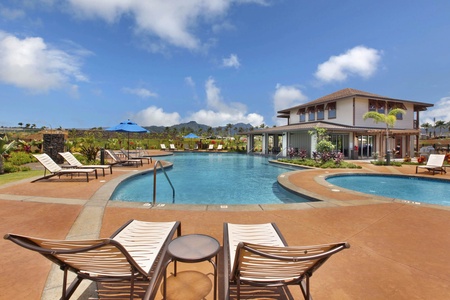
pixel 193 126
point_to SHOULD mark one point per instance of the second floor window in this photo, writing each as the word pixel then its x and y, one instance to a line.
pixel 331 107
pixel 302 115
pixel 311 114
pixel 377 105
pixel 320 112
pixel 381 108
pixel 393 105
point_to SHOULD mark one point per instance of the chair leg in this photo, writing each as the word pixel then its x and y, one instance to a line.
pixel 68 292
pixel 304 285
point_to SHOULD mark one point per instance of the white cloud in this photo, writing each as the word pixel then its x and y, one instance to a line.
pixel 143 93
pixel 439 112
pixel 156 116
pixel 231 62
pixel 32 64
pixel 220 113
pixel 359 61
pixel 189 81
pixel 286 96
pixel 173 22
pixel 11 14
pixel 216 113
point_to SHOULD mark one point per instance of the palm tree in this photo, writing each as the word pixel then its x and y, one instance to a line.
pixel 427 127
pixel 389 119
pixel 439 124
pixel 228 127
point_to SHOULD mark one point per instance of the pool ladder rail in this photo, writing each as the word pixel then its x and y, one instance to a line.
pixel 154 181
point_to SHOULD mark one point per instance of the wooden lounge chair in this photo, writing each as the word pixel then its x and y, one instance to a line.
pixel 258 255
pixel 130 156
pixel 74 162
pixel 55 170
pixel 134 253
pixel 118 160
pixel 434 164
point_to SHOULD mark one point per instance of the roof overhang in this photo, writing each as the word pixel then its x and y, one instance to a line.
pixel 330 127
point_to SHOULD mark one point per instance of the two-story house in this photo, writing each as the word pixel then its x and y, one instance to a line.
pixel 341 113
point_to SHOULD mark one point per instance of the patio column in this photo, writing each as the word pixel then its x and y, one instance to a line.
pixel 250 143
pixel 285 143
pixel 264 143
pixel 275 140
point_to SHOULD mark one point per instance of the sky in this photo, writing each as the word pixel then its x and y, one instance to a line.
pixel 84 64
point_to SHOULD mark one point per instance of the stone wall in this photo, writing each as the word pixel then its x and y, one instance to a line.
pixel 54 143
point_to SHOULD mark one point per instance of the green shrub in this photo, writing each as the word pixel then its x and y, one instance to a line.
pixel 319 164
pixel 8 167
pixel 19 158
pixel 383 163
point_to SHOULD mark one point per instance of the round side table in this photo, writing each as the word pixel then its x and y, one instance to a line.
pixel 193 248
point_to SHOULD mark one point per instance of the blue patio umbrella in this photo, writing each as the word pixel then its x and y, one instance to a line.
pixel 191 136
pixel 128 127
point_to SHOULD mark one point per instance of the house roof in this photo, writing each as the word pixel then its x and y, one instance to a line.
pixel 349 92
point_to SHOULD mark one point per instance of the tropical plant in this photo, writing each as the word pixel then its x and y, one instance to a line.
pixel 389 119
pixel 324 147
pixel 427 127
pixel 89 147
pixel 440 125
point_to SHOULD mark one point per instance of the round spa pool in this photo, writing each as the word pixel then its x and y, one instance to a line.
pixel 412 188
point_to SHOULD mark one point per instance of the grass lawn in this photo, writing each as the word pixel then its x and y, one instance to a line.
pixel 11 177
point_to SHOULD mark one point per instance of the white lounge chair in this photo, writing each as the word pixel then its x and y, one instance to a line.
pixel 130 156
pixel 220 147
pixel 163 147
pixel 134 253
pixel 118 160
pixel 172 147
pixel 258 255
pixel 74 162
pixel 211 147
pixel 55 170
pixel 435 163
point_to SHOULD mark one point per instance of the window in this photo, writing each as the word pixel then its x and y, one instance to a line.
pixel 311 113
pixel 320 112
pixel 303 117
pixel 381 107
pixel 372 105
pixel 331 107
pixel 302 113
pixel 393 105
pixel 377 105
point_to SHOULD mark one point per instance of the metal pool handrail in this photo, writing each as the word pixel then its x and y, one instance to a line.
pixel 154 181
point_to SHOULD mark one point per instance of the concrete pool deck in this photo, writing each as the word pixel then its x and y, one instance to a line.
pixel 398 248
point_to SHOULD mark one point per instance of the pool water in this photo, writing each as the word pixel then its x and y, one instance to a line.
pixel 211 178
pixel 417 189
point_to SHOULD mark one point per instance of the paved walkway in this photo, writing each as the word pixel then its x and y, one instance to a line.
pixel 393 243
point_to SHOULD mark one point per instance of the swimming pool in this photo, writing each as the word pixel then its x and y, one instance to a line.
pixel 417 189
pixel 211 178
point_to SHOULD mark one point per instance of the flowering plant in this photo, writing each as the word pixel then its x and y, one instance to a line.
pixel 421 159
